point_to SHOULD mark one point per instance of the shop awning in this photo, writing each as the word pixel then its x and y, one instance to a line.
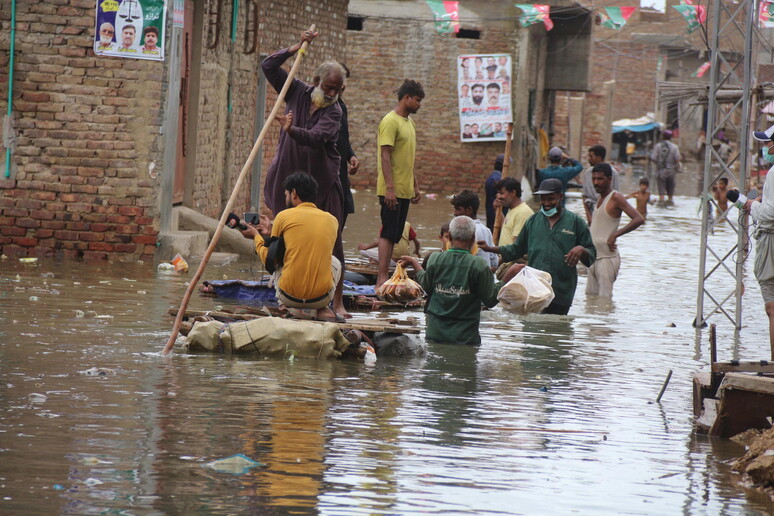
pixel 637 125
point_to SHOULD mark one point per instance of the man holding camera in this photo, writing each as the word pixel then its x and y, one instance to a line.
pixel 309 273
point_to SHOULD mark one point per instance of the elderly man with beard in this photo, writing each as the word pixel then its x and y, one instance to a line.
pixel 307 142
pixel 106 32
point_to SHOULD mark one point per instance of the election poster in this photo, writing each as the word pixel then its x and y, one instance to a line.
pixel 484 91
pixel 131 28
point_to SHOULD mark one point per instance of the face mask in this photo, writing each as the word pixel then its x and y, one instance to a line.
pixel 548 213
pixel 769 158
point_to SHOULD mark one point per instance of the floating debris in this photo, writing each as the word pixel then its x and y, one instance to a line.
pixel 98 371
pixel 236 464
pixel 28 260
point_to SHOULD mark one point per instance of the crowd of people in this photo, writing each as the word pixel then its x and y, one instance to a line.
pixel 307 190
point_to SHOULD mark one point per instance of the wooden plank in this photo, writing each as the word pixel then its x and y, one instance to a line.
pixel 353 324
pixel 747 382
pixel 760 366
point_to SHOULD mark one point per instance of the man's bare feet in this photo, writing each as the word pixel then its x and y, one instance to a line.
pixel 342 312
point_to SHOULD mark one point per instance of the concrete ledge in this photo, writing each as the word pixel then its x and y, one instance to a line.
pixel 231 240
pixel 187 243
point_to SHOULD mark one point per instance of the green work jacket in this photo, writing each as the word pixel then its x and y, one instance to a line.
pixel 456 284
pixel 546 247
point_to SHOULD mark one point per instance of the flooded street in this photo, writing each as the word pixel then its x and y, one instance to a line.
pixel 551 415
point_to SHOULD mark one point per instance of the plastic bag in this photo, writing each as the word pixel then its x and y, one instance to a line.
pixel 529 291
pixel 400 288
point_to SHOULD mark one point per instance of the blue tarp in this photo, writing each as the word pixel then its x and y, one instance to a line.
pixel 258 292
pixel 635 128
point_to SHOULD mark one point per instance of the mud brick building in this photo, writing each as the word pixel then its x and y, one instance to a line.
pixel 87 133
pixel 626 66
pixel 389 41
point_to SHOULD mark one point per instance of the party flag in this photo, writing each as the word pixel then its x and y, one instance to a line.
pixel 702 70
pixel 615 17
pixel 534 13
pixel 694 15
pixel 446 16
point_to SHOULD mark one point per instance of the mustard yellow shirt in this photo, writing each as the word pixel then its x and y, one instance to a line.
pixel 400 134
pixel 309 235
pixel 513 223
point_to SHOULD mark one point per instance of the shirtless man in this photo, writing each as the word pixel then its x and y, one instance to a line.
pixel 605 232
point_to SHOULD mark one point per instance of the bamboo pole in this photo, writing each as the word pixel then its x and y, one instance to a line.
pixel 237 187
pixel 498 225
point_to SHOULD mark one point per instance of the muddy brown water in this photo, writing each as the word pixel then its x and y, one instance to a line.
pixel 550 415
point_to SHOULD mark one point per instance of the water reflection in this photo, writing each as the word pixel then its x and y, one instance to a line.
pixel 549 415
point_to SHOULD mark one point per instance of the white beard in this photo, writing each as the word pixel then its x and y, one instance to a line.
pixel 320 100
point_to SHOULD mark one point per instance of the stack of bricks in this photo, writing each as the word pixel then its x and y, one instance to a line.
pixel 87 129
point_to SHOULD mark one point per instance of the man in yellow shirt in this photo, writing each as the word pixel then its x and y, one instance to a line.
pixel 310 272
pixel 509 196
pixel 396 185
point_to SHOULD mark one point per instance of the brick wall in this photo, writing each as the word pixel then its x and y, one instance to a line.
pixel 387 51
pixel 86 128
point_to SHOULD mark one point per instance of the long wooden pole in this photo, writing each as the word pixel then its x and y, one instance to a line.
pixel 237 188
pixel 498 225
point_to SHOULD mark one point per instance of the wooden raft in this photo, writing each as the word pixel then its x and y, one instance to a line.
pixel 366 325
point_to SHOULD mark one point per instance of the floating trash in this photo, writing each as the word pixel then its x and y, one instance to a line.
pixel 93 461
pixel 34 298
pixel 36 397
pixel 79 314
pixel 236 464
pixel 91 482
pixel 58 487
pixel 98 371
pixel 166 267
pixel 28 260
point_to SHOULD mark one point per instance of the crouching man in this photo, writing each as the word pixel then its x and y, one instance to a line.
pixel 310 272
pixel 456 283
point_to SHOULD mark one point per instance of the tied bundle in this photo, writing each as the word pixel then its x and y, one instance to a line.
pixel 400 288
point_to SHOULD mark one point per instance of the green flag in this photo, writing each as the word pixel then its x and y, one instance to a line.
pixel 534 13
pixel 692 14
pixel 615 17
pixel 446 15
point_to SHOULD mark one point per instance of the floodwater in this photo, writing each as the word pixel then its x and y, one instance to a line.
pixel 551 415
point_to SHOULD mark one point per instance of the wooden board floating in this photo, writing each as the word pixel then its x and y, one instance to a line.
pixel 366 325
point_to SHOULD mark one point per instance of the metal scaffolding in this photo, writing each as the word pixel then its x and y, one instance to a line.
pixel 732 94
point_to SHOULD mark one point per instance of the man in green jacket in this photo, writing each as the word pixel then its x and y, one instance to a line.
pixel 555 240
pixel 456 283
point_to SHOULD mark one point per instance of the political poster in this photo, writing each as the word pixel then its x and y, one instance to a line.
pixel 484 92
pixel 131 28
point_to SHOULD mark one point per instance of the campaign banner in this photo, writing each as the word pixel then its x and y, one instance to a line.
pixel 131 28
pixel 484 92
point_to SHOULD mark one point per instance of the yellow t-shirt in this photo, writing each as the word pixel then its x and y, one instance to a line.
pixel 514 222
pixel 309 235
pixel 400 134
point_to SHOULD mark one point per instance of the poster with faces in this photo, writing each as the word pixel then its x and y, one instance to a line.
pixel 484 92
pixel 130 28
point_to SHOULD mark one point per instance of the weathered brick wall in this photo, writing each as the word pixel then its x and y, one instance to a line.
pixel 387 51
pixel 224 139
pixel 87 128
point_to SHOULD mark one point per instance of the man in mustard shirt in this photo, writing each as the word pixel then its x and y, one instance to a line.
pixel 396 185
pixel 310 272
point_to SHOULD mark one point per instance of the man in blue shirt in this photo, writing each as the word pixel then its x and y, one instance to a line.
pixel 556 171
